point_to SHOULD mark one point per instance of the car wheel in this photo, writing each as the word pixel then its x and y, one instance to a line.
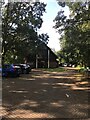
pixel 24 72
pixel 27 72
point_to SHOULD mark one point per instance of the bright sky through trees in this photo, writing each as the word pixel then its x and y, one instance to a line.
pixel 52 9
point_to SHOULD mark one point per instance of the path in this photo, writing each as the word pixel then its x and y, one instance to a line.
pixel 44 94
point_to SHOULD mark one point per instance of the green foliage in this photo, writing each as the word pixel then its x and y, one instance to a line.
pixel 20 23
pixel 75 33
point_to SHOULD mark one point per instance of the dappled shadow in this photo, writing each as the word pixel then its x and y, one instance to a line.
pixel 42 94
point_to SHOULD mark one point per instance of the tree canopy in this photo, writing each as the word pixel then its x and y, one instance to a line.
pixel 20 24
pixel 75 32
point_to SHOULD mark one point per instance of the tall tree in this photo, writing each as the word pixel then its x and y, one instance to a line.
pixel 76 31
pixel 20 24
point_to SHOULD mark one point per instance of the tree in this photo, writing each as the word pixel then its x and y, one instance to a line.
pixel 20 24
pixel 75 31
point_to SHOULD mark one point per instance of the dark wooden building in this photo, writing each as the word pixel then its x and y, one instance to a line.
pixel 45 58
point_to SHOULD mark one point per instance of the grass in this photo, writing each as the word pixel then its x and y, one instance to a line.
pixel 81 69
pixel 53 69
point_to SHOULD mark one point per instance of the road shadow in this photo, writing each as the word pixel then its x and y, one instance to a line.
pixel 43 94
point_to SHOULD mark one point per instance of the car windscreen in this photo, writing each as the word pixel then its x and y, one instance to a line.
pixel 6 66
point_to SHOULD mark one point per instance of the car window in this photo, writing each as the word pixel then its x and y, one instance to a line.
pixel 6 66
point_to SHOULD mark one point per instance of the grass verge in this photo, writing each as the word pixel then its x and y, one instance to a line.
pixel 54 69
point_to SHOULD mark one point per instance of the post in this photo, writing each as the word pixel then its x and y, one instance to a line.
pixel 36 61
pixel 48 58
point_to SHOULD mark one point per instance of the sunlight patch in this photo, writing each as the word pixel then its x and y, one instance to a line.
pixel 18 91
pixel 21 113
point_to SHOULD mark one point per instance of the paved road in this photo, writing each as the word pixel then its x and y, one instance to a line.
pixel 42 94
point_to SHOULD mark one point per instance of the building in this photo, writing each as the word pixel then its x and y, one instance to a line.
pixel 44 58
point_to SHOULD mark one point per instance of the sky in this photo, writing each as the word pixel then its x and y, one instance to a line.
pixel 47 27
pixel 52 9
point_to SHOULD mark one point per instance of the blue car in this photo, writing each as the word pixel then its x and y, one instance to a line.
pixel 10 70
pixel 0 71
